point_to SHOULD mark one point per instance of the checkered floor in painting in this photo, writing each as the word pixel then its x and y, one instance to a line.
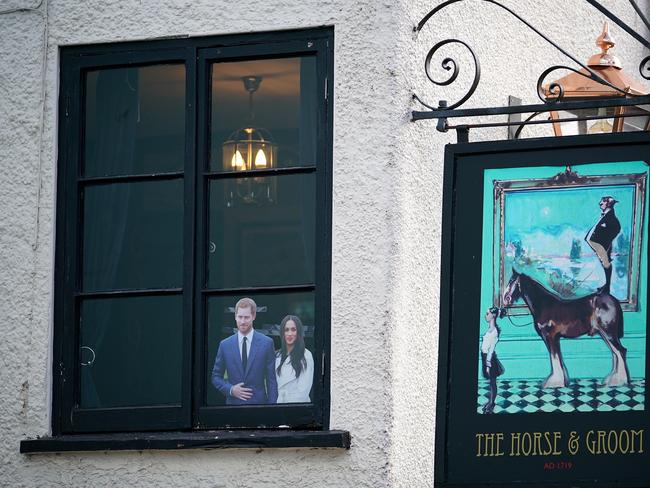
pixel 581 396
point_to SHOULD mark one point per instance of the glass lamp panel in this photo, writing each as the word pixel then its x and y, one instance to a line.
pixel 261 231
pixel 283 111
pixel 636 118
pixel 272 308
pixel 134 120
pixel 132 235
pixel 582 127
pixel 569 128
pixel 131 351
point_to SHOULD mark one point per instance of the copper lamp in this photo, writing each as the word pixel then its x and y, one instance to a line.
pixel 579 87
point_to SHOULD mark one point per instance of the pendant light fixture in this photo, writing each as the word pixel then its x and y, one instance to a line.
pixel 249 147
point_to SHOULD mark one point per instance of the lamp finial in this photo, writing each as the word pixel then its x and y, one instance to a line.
pixel 605 42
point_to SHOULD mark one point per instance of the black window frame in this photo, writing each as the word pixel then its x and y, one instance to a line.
pixel 196 54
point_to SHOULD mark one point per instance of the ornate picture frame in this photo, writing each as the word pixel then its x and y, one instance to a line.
pixel 570 181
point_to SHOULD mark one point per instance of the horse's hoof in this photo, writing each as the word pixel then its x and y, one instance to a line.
pixel 615 381
pixel 550 383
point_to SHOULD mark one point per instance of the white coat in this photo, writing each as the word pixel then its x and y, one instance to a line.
pixel 290 388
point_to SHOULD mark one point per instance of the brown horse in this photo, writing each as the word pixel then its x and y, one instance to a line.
pixel 554 318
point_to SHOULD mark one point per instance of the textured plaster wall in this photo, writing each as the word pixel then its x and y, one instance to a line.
pixel 386 222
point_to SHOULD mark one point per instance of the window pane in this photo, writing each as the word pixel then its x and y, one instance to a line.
pixel 133 235
pixel 131 351
pixel 271 101
pixel 261 231
pixel 265 353
pixel 135 120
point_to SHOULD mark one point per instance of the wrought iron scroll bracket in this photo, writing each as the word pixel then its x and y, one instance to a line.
pixel 443 110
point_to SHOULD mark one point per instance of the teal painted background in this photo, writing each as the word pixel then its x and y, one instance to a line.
pixel 520 349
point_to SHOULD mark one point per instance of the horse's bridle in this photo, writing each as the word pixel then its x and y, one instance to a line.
pixel 518 286
pixel 517 325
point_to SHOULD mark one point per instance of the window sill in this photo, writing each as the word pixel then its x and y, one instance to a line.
pixel 212 439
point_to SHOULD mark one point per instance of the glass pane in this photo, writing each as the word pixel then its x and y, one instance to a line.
pixel 135 120
pixel 261 231
pixel 592 126
pixel 637 118
pixel 133 235
pixel 264 114
pixel 271 361
pixel 131 352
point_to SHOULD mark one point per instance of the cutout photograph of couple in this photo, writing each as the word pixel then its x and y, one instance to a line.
pixel 260 363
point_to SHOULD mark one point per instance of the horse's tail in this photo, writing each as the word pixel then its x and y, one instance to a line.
pixel 609 303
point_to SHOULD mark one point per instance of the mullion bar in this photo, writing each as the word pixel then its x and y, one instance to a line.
pixel 189 241
pixel 203 104
pixel 323 244
pixel 260 172
pixel 171 43
pixel 279 49
pixel 322 251
pixel 67 262
pixel 137 57
pixel 130 293
pixel 258 289
pixel 88 180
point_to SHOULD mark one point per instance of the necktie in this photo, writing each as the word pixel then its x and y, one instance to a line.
pixel 244 355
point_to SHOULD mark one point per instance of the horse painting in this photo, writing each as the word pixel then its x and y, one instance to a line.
pixel 554 318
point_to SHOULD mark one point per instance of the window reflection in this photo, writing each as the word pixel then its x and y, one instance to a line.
pixel 133 235
pixel 131 352
pixel 261 241
pixel 135 120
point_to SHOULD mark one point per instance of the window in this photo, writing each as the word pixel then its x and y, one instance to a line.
pixel 193 173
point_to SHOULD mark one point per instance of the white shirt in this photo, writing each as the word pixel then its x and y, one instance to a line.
pixel 591 232
pixel 490 339
pixel 240 341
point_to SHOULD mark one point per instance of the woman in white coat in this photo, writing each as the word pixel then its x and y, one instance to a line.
pixel 294 365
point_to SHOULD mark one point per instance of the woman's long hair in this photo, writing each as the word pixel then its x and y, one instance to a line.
pixel 297 355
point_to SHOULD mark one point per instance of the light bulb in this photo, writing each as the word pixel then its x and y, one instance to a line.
pixel 260 159
pixel 237 160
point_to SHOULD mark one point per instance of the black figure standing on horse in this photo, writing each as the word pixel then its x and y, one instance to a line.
pixel 601 236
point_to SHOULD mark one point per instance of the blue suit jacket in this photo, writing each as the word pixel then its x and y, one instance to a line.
pixel 259 374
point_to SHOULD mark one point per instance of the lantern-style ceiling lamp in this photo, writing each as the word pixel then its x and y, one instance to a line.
pixel 580 87
pixel 249 147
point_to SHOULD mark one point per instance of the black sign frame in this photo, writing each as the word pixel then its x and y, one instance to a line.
pixel 457 423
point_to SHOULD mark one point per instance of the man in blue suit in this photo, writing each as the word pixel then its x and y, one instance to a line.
pixel 244 369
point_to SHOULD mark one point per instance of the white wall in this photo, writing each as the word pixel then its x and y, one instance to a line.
pixel 386 223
